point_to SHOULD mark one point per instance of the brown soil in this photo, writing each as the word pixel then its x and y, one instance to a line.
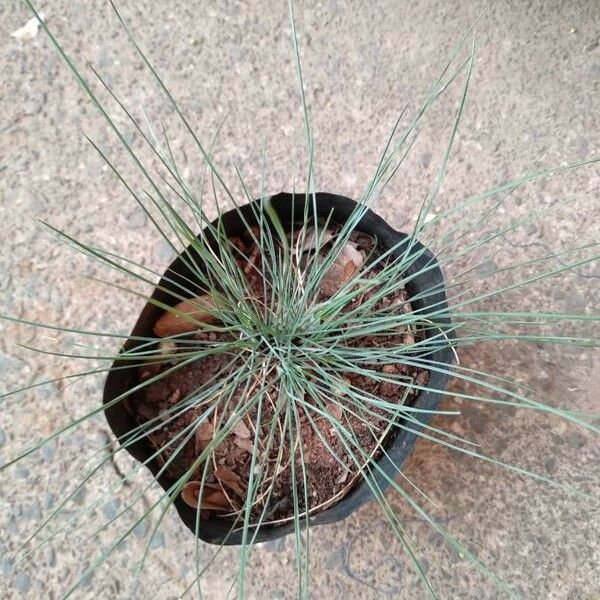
pixel 329 470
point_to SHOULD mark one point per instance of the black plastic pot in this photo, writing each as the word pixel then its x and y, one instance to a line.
pixel 289 208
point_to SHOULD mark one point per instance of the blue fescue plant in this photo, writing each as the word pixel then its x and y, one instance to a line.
pixel 290 351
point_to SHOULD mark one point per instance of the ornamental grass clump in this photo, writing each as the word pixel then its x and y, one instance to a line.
pixel 288 358
pixel 292 350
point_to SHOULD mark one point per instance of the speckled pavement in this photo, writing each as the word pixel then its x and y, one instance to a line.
pixel 534 98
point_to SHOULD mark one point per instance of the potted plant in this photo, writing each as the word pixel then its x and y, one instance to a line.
pixel 379 300
pixel 290 355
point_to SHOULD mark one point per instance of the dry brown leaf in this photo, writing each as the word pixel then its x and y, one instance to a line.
pixel 189 313
pixel 229 479
pixel 241 430
pixel 158 442
pixel 189 493
pixel 216 500
pixel 311 240
pixel 351 252
pixel 349 269
pixel 243 443
pixel 342 478
pixel 225 474
pixel 203 435
pixel 252 260
pixel 204 431
pixel 149 371
pixel 333 280
pixel 422 378
pixel 348 261
pixel 334 409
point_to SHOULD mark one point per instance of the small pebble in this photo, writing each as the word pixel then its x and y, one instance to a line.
pixel 111 509
pixel 185 570
pixel 592 46
pixel 47 451
pixel 50 554
pixel 4 364
pixel 32 511
pixel 78 440
pixel 134 588
pixel 79 496
pixel 141 529
pixel 104 61
pixel 22 473
pixel 129 136
pixel 6 566
pixel 163 252
pixel 86 580
pixel 135 219
pixel 575 440
pixel 64 574
pixel 486 269
pixel 157 541
pixel 46 391
pixel 425 159
pixel 13 527
pixel 48 500
pixel 22 582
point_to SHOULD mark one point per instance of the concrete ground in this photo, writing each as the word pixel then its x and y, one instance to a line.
pixel 534 96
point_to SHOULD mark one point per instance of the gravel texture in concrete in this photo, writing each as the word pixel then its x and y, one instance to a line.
pixel 533 102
